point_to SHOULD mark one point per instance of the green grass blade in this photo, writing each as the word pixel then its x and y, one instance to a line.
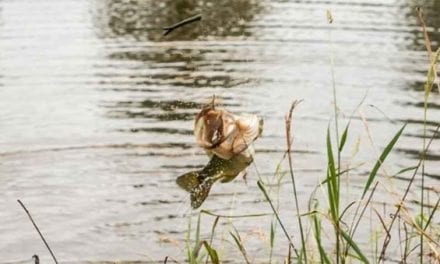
pixel 272 234
pixel 420 219
pixel 197 238
pixel 240 246
pixel 355 247
pixel 332 184
pixel 211 239
pixel 212 253
pixel 189 252
pixel 381 159
pixel 198 229
pixel 272 239
pixel 406 169
pixel 331 198
pixel 431 216
pixel 214 225
pixel 431 74
pixel 317 230
pixel 343 138
pixel 266 195
pixel 337 175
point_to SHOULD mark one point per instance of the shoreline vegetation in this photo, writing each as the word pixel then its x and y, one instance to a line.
pixel 414 234
pixel 328 232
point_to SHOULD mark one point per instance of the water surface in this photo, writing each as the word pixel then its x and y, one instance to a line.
pixel 97 110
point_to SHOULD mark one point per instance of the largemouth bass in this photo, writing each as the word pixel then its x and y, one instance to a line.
pixel 227 139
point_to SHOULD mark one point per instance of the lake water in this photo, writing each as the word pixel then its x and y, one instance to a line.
pixel 97 112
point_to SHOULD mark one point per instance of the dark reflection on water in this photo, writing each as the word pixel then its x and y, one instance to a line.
pixel 431 105
pixel 164 105
pixel 162 110
pixel 171 55
pixel 433 176
pixel 158 130
pixel 166 67
pixel 429 135
pixel 417 154
pixel 431 11
pixel 145 19
pixel 182 67
pixel 418 75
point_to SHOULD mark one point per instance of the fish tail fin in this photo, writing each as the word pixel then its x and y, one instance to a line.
pixel 197 185
pixel 189 180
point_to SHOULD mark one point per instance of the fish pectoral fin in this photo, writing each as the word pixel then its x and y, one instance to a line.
pixel 200 193
pixel 188 181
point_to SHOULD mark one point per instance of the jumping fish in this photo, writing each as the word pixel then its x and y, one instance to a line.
pixel 227 140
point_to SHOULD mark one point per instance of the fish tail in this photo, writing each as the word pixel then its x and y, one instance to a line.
pixel 189 180
pixel 197 185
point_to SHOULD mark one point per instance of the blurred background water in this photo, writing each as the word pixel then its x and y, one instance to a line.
pixel 97 111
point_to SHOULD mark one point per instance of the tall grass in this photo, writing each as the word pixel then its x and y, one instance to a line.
pixel 432 74
pixel 292 176
pixel 415 235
